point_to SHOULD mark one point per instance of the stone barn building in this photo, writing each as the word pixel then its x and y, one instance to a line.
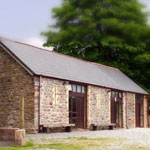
pixel 42 88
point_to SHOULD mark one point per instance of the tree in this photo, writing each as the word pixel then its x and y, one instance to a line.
pixel 111 32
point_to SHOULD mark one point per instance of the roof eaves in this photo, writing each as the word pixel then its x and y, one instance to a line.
pixel 106 87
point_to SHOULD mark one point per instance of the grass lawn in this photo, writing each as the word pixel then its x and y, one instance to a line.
pixel 81 143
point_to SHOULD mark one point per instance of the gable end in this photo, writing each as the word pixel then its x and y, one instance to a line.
pixel 16 59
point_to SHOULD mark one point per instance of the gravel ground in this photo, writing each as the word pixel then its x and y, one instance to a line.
pixel 137 136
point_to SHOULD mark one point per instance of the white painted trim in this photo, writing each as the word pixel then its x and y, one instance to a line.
pixel 17 60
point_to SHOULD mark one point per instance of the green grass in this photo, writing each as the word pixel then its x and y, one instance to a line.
pixel 61 146
pixel 81 143
pixel 28 146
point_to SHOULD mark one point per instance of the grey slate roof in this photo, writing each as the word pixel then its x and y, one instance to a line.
pixel 52 64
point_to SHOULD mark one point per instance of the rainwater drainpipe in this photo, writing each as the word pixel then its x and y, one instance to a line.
pixel 39 101
pixel 127 110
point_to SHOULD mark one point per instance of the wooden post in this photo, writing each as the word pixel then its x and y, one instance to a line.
pixel 21 112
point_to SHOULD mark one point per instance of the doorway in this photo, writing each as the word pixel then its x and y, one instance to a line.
pixel 116 109
pixel 78 106
pixel 76 111
pixel 139 111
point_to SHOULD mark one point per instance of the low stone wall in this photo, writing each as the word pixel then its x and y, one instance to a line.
pixel 13 134
pixel 7 134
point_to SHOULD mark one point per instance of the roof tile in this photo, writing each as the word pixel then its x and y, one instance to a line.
pixel 52 64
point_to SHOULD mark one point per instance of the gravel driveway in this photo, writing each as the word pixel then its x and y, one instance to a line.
pixel 140 136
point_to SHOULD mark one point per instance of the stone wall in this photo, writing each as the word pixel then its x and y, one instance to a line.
pixel 145 105
pixel 36 101
pixel 98 102
pixel 15 83
pixel 129 110
pixel 124 109
pixel 99 107
pixel 54 100
pixel 129 100
pixel 131 121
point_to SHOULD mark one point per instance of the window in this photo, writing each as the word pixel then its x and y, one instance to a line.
pixel 116 94
pixel 74 88
pixel 83 89
pixel 78 88
pixel 139 97
pixel 112 94
pixel 120 95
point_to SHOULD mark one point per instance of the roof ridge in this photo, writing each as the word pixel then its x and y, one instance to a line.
pixel 44 49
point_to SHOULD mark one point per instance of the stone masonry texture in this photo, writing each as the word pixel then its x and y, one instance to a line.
pixel 98 105
pixel 54 105
pixel 145 103
pixel 131 110
pixel 15 83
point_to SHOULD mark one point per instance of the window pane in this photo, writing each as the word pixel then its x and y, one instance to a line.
pixel 139 97
pixel 113 94
pixel 83 89
pixel 70 87
pixel 120 95
pixel 74 88
pixel 79 88
pixel 116 94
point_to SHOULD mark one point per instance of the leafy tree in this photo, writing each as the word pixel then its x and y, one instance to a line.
pixel 112 32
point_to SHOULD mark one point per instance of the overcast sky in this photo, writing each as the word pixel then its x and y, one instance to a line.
pixel 23 20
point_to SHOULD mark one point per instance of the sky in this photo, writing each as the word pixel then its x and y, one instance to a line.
pixel 24 20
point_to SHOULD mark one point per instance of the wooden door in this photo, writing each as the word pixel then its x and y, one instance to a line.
pixel 76 111
pixel 119 114
pixel 137 114
pixel 80 112
pixel 139 111
pixel 113 111
pixel 116 112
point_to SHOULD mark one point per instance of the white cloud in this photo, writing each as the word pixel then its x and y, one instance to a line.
pixel 37 41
